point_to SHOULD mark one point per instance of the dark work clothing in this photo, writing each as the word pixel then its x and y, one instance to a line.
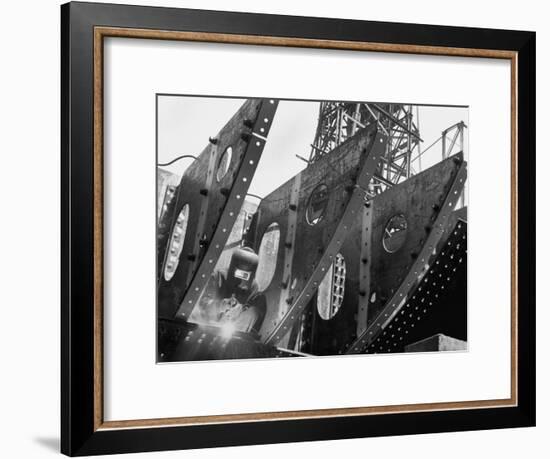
pixel 226 302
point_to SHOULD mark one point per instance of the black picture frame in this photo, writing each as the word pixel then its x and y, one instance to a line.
pixel 80 434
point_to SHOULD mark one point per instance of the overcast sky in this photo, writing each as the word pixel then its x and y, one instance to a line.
pixel 186 123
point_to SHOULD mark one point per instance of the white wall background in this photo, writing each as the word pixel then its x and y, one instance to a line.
pixel 29 234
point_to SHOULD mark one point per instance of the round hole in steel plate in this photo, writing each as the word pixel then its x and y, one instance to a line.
pixel 395 233
pixel 317 204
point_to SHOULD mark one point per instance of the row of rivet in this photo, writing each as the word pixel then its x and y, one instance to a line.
pixel 424 296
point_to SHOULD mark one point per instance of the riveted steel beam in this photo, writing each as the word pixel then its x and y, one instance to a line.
pixel 289 245
pixel 364 270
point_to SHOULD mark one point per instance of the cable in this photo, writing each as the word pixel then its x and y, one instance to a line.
pixel 426 149
pixel 176 159
pixel 255 196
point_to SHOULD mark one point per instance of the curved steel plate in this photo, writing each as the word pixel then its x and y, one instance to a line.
pixel 418 201
pixel 429 309
pixel 372 273
pixel 214 203
pixel 417 270
pixel 346 172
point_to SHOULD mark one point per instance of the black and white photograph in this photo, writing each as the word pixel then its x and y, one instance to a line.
pixel 306 228
pixel 271 230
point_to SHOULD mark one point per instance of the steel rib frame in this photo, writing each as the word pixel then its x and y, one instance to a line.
pixel 398 300
pixel 353 207
pixel 232 208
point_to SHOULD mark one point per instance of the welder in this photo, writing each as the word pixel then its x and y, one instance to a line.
pixel 238 304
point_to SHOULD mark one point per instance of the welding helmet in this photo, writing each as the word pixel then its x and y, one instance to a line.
pixel 242 268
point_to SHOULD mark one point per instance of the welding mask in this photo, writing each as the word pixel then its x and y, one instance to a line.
pixel 242 268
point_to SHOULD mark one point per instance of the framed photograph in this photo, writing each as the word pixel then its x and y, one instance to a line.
pixel 280 229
